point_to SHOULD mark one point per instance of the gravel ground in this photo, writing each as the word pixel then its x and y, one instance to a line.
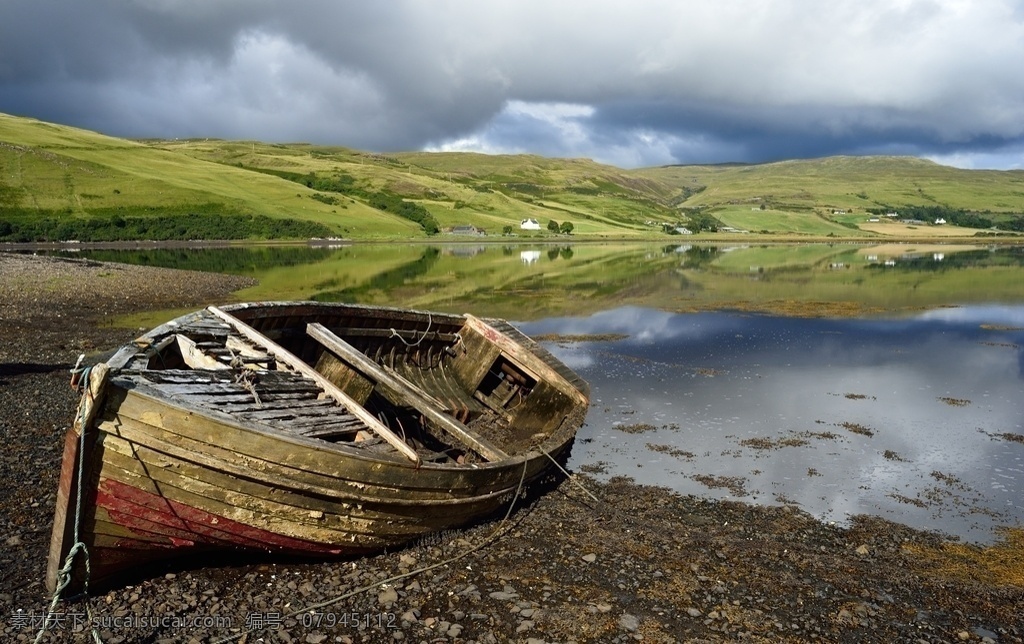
pixel 577 561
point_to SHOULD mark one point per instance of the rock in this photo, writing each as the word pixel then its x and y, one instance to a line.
pixel 524 626
pixel 629 622
pixel 14 540
pixel 388 596
pixel 410 616
pixel 407 561
pixel 863 549
pixel 504 595
pixel 693 612
pixel 591 558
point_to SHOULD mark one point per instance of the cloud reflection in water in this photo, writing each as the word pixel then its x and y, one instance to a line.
pixel 904 418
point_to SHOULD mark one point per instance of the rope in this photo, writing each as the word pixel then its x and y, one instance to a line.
pixel 396 334
pixel 358 591
pixel 569 476
pixel 79 376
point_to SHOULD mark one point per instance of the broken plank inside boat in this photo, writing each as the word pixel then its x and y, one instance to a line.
pixel 305 428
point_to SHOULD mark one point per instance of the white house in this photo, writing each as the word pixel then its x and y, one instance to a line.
pixel 940 221
pixel 529 224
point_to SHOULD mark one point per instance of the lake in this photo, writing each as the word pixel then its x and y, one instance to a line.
pixel 842 378
pixel 917 419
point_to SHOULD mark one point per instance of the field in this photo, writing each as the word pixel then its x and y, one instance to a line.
pixel 58 182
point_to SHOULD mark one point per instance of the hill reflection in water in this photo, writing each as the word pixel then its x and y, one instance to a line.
pixel 919 420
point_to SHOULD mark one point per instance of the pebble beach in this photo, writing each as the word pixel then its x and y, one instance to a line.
pixel 577 559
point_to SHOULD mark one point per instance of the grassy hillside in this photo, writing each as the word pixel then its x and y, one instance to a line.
pixel 58 182
pixel 844 191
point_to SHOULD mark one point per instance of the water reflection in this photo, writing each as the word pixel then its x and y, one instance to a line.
pixel 914 419
pixel 532 281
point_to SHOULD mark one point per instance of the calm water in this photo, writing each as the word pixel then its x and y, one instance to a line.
pixel 912 410
pixel 913 419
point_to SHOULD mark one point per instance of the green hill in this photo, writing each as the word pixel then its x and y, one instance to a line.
pixel 58 182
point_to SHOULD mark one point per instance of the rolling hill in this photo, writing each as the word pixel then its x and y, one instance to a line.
pixel 59 182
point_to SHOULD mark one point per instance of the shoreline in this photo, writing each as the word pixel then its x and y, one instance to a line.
pixel 981 239
pixel 638 563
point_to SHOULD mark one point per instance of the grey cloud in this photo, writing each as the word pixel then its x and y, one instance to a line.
pixel 663 81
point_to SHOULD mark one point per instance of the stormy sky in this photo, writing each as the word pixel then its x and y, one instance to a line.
pixel 626 82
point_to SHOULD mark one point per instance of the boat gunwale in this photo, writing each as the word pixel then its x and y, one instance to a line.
pixel 147 345
pixel 318 445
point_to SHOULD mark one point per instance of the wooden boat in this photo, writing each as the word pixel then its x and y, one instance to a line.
pixel 304 428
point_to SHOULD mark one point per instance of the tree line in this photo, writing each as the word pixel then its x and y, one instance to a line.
pixel 170 227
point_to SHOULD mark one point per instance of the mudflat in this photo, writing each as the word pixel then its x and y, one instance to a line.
pixel 579 560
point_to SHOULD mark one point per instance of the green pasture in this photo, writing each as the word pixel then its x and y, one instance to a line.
pixel 850 183
pixel 754 220
pixel 52 172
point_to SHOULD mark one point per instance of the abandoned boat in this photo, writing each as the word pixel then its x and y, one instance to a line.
pixel 303 428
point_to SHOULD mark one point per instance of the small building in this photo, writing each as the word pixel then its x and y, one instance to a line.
pixel 529 224
pixel 940 221
pixel 468 230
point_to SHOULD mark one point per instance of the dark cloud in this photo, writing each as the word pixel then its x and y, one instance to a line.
pixel 631 83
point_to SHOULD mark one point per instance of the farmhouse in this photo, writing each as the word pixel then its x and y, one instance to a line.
pixel 529 224
pixel 467 230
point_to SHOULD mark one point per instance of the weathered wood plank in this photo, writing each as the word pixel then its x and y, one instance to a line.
pixel 407 392
pixel 244 500
pixel 345 377
pixel 525 359
pixel 64 532
pixel 408 336
pixel 195 357
pixel 287 357
pixel 310 465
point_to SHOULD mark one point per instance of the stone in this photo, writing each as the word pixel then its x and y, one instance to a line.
pixel 410 617
pixel 407 561
pixel 504 595
pixel 629 622
pixel 524 626
pixel 388 596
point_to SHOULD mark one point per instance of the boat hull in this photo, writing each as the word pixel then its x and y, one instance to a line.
pixel 164 476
